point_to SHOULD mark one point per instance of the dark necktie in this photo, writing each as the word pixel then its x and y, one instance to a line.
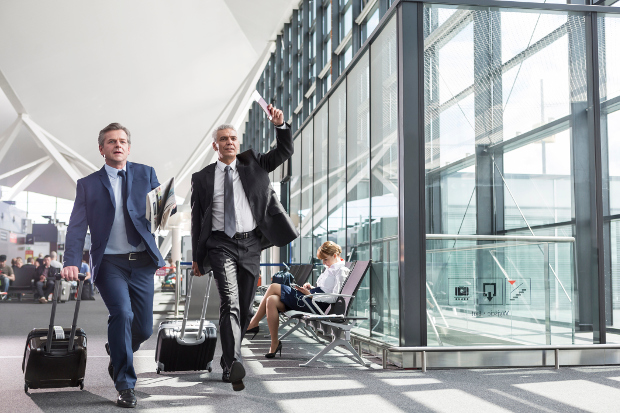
pixel 230 221
pixel 132 234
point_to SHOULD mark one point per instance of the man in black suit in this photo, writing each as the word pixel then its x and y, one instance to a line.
pixel 235 215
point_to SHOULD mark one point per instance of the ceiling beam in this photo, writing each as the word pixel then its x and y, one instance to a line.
pixel 23 167
pixel 28 179
pixel 11 95
pixel 48 146
pixel 10 134
pixel 70 152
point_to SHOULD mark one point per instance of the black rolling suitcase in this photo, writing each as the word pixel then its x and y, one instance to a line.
pixel 56 357
pixel 187 345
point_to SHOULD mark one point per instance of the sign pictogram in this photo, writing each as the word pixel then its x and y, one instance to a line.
pixel 519 291
pixel 461 291
pixel 490 291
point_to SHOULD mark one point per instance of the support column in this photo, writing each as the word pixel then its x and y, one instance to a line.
pixel 305 59
pixel 586 171
pixel 175 252
pixel 411 217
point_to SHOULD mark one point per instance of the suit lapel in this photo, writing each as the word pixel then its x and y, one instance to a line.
pixel 209 183
pixel 103 175
pixel 129 181
pixel 243 177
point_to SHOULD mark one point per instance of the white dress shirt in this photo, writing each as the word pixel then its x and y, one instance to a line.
pixel 331 281
pixel 245 221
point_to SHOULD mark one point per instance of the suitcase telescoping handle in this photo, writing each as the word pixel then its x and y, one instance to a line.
pixel 187 303
pixel 50 331
pixel 78 299
pixel 203 314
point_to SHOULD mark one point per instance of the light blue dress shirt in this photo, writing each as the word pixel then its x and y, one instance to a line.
pixel 117 243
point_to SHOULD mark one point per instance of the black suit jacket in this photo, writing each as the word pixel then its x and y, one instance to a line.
pixel 273 223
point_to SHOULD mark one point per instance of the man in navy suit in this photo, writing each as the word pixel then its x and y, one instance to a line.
pixel 123 253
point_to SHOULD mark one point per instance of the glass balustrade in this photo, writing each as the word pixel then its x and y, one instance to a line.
pixel 500 290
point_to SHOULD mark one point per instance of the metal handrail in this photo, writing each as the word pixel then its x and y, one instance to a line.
pixel 555 348
pixel 521 238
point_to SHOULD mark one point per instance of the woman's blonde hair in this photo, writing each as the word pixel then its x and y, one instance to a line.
pixel 328 249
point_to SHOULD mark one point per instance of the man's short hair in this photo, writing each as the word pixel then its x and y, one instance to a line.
pixel 47 256
pixel 111 127
pixel 2 258
pixel 29 260
pixel 221 127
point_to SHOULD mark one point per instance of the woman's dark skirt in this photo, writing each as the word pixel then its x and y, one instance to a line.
pixel 293 299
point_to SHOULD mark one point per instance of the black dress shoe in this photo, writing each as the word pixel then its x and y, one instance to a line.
pixel 236 375
pixel 254 331
pixel 110 366
pixel 126 398
pixel 226 376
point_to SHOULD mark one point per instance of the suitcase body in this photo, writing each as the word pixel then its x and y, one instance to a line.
pixel 55 357
pixel 184 345
pixel 61 368
pixel 174 354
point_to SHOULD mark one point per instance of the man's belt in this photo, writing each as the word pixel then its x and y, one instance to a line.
pixel 238 235
pixel 131 256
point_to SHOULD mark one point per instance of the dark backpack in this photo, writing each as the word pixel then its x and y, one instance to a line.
pixel 283 277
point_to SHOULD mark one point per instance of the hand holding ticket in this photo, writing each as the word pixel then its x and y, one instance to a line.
pixel 274 115
pixel 261 102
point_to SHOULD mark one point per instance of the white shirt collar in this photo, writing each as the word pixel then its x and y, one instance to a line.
pixel 113 172
pixel 221 165
pixel 336 265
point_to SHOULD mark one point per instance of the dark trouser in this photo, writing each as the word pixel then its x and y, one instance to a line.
pixel 5 283
pixel 235 265
pixel 48 289
pixel 126 288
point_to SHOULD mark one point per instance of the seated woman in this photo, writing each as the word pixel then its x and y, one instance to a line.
pixel 280 298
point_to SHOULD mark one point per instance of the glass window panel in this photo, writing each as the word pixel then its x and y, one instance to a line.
pixel 536 91
pixel 347 22
pixel 295 210
pixel 521 31
pixel 454 78
pixel 609 65
pixel 522 81
pixel 358 179
pixel 337 178
pixel 384 185
pixel 307 167
pixel 319 213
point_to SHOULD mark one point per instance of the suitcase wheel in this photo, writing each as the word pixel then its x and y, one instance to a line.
pixel 158 370
pixel 209 369
pixel 81 384
pixel 26 387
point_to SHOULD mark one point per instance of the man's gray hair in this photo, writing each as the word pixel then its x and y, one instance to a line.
pixel 221 127
pixel 111 127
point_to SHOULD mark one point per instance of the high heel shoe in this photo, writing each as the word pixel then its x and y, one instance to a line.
pixel 272 355
pixel 254 330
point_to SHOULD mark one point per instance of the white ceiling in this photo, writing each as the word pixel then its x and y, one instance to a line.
pixel 164 69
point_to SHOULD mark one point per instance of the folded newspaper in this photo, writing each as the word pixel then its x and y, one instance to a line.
pixel 160 205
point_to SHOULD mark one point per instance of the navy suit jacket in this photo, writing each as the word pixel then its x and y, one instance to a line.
pixel 94 207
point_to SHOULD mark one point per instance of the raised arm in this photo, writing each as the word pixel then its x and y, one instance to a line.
pixel 284 143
